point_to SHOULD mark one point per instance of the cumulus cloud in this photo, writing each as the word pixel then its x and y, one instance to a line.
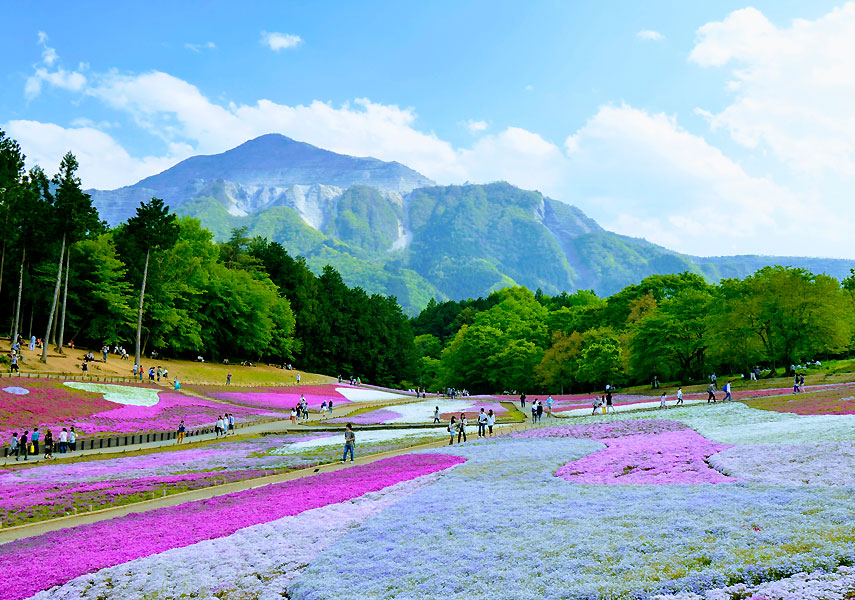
pixel 45 73
pixel 280 41
pixel 644 175
pixel 649 35
pixel 792 87
pixel 104 163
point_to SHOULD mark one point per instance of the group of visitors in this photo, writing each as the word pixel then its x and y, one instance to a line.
pixel 326 407
pixel 798 383
pixel 352 380
pixel 301 411
pixel 663 401
pixel 604 403
pixel 27 444
pixel 225 425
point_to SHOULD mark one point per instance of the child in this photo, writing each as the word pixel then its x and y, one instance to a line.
pixel 662 401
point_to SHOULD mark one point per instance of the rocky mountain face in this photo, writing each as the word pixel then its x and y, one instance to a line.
pixel 391 230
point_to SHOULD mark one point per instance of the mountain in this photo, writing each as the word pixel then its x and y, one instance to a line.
pixel 391 230
pixel 271 170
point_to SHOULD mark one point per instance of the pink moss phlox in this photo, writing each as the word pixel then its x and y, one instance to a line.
pixel 667 457
pixel 98 545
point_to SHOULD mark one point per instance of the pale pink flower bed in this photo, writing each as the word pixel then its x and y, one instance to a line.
pixel 284 398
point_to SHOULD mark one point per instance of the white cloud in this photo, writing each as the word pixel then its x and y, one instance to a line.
pixel 476 126
pixel 280 41
pixel 643 175
pixel 104 163
pixel 197 48
pixel 68 80
pixel 792 86
pixel 649 35
pixel 529 88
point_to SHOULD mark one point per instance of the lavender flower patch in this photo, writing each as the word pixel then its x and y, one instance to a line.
pixel 808 464
pixel 503 525
pixel 259 560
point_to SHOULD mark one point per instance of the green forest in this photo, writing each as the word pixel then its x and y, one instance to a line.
pixel 160 281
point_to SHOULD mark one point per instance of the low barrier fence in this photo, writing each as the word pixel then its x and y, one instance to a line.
pixel 124 441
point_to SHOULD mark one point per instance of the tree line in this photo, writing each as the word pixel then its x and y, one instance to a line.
pixel 674 327
pixel 159 281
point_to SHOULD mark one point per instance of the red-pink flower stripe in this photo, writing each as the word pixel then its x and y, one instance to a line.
pixel 27 569
pixel 282 398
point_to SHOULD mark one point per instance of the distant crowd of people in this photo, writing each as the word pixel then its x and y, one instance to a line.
pixel 28 443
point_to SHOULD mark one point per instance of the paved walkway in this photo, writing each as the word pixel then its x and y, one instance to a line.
pixel 11 534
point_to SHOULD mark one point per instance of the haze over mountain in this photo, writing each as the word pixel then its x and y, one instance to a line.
pixel 391 230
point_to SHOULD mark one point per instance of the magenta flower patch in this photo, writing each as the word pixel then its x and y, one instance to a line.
pixel 119 540
pixel 665 457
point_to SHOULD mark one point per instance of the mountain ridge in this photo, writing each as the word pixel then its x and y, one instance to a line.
pixel 391 230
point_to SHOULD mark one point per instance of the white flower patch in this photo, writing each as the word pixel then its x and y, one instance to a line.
pixel 255 562
pixel 420 412
pixel 367 395
pixel 362 437
pixel 120 394
pixel 17 391
pixel 807 464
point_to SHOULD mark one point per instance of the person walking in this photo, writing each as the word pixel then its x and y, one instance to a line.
pixel 63 441
pixel 482 423
pixel 491 420
pixel 534 412
pixel 452 428
pixel 436 414
pixel 218 426
pixel 294 416
pixel 796 389
pixel 231 424
pixel 539 411
pixel 610 407
pixel 522 400
pixel 549 402
pixel 34 439
pixel 14 447
pixel 228 378
pixel 72 439
pixel 323 407
pixel 679 396
pixel 23 445
pixel 801 382
pixel 662 403
pixel 596 404
pixel 461 427
pixel 181 431
pixel 711 393
pixel 13 363
pixel 329 407
pixel 176 384
pixel 48 444
pixel 727 395
pixel 349 442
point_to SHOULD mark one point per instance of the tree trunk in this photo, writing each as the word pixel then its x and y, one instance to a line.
pixel 139 313
pixel 55 298
pixel 3 261
pixel 64 302
pixel 32 304
pixel 18 304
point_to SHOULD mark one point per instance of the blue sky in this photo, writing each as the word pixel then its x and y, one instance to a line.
pixel 709 127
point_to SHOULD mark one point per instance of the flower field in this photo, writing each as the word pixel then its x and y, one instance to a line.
pixel 827 401
pixel 423 411
pixel 287 398
pixel 104 409
pixel 704 502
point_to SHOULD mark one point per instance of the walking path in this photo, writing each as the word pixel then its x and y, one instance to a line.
pixel 12 534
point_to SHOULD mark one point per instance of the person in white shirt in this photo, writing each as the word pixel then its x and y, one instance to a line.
pixel 482 423
pixel 727 395
pixel 63 441
pixel 218 427
pixel 662 401
pixel 679 396
pixel 491 420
